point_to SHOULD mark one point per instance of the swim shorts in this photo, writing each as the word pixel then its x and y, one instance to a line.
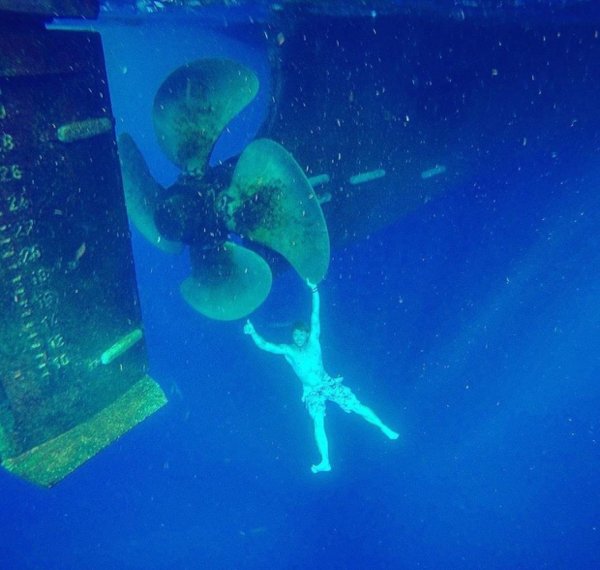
pixel 333 390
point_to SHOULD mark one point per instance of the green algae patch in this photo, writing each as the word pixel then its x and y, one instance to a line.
pixel 48 463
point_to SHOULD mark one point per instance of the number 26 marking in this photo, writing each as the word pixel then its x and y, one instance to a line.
pixel 11 172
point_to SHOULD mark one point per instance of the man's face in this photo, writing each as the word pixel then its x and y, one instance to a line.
pixel 299 337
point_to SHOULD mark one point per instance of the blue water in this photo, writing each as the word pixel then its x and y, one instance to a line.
pixel 471 326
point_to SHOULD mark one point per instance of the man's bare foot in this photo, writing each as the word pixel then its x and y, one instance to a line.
pixel 390 432
pixel 323 466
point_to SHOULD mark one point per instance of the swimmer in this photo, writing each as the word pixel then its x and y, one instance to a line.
pixel 304 356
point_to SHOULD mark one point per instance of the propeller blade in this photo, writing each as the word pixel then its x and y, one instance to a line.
pixel 141 194
pixel 193 106
pixel 271 201
pixel 227 283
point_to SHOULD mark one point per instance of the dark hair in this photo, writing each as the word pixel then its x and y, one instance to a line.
pixel 300 326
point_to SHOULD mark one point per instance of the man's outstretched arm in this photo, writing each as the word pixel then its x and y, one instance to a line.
pixel 315 319
pixel 262 343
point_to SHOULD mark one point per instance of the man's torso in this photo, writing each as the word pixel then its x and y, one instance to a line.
pixel 307 363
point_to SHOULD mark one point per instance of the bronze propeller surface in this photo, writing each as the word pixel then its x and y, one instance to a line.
pixel 227 282
pixel 142 194
pixel 268 201
pixel 271 202
pixel 194 105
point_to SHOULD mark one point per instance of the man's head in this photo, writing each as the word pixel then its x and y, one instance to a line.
pixel 300 333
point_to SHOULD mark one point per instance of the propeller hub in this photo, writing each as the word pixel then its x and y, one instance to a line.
pixel 188 215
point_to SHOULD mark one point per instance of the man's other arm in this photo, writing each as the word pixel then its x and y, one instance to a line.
pixel 262 343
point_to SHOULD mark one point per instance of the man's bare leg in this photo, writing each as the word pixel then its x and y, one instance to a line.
pixel 322 443
pixel 369 415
